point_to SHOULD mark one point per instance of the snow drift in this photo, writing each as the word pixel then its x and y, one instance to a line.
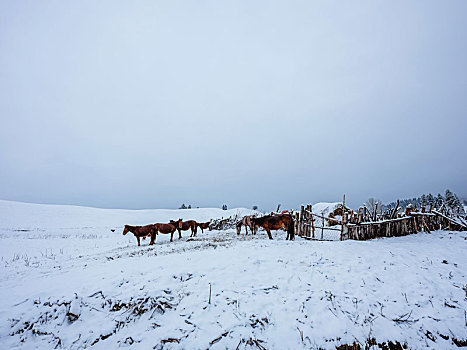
pixel 69 282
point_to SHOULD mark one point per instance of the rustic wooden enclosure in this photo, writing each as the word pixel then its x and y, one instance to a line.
pixel 363 226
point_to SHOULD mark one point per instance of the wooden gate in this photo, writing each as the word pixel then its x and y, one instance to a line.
pixel 314 226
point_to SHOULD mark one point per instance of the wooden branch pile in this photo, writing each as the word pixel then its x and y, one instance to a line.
pixel 225 224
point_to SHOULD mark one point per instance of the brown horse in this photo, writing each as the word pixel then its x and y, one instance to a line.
pixel 168 228
pixel 276 222
pixel 247 222
pixel 204 225
pixel 186 225
pixel 141 232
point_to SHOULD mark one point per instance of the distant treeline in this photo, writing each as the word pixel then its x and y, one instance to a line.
pixel 183 206
pixel 450 201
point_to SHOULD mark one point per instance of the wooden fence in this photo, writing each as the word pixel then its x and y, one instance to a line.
pixel 392 228
pixel 352 225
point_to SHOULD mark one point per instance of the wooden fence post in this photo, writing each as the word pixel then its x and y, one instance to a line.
pixel 302 219
pixel 312 223
pixel 322 228
pixel 342 220
pixel 308 217
pixel 297 223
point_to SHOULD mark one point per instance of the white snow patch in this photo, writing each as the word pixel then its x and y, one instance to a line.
pixel 73 282
pixel 325 208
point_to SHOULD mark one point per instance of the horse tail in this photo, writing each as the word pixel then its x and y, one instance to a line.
pixel 291 229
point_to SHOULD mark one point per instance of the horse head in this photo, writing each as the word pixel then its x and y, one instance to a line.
pixel 239 227
pixel 125 230
pixel 177 224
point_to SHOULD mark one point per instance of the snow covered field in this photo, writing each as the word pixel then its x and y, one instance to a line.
pixel 67 281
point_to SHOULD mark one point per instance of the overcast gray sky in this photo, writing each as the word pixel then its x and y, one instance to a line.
pixel 138 104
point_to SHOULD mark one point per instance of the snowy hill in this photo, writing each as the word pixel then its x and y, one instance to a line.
pixel 325 208
pixel 33 216
pixel 67 281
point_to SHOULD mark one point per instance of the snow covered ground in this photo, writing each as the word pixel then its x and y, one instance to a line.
pixel 67 281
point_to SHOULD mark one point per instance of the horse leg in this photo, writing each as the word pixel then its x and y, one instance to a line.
pixel 179 234
pixel 195 230
pixel 290 230
pixel 246 230
pixel 172 237
pixel 269 233
pixel 137 238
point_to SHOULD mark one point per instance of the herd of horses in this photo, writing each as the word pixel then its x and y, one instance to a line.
pixel 153 230
pixel 268 223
